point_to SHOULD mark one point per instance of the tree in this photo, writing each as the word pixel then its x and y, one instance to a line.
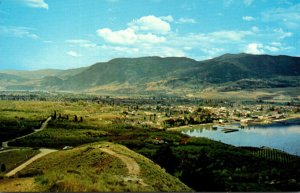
pixel 165 157
pixel 3 168
pixel 75 118
pixel 54 115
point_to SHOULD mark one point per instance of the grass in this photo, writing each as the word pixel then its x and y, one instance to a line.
pixel 203 164
pixel 58 138
pixel 152 173
pixel 87 168
pixel 14 158
pixel 18 185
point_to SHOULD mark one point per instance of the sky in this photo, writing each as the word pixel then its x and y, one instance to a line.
pixel 64 34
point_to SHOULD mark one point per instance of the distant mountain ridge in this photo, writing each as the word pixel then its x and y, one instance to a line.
pixel 163 75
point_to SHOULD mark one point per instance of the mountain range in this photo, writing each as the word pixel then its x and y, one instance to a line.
pixel 152 75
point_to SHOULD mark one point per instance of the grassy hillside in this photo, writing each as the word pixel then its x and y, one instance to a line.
pixel 36 74
pixel 131 70
pixel 233 67
pixel 170 75
pixel 13 158
pixel 152 74
pixel 91 168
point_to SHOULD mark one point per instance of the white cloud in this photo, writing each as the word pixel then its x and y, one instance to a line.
pixel 289 17
pixel 82 43
pixel 168 18
pixel 150 23
pixel 259 48
pixel 276 47
pixel 128 36
pixel 229 35
pixel 255 29
pixel 248 18
pixel 212 51
pixel 182 20
pixel 18 32
pixel 169 51
pixel 282 34
pixel 150 38
pixel 271 48
pixel 254 48
pixel 163 51
pixel 36 4
pixel 48 42
pixel 73 54
pixel 186 20
pixel 138 40
pixel 217 37
pixel 276 44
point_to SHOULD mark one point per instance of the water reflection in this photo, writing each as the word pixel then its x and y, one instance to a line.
pixel 285 137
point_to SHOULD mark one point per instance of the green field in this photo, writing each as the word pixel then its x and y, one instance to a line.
pixel 12 159
pixel 200 163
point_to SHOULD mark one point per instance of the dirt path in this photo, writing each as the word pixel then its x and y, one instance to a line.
pixel 22 166
pixel 132 167
pixel 44 125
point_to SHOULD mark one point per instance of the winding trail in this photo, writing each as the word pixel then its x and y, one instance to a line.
pixel 131 165
pixel 25 164
pixel 42 153
pixel 43 126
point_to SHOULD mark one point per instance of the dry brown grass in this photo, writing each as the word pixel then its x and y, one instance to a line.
pixel 18 185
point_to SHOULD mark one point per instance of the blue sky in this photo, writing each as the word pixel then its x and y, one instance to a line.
pixel 39 34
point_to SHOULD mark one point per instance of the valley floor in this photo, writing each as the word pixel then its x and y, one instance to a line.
pixel 105 146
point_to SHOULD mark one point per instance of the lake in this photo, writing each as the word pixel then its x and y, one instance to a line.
pixel 283 135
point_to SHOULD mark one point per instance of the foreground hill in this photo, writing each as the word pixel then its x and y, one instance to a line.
pixel 151 75
pixel 98 167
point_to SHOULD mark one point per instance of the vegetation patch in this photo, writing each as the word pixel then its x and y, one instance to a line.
pixel 88 168
pixel 11 159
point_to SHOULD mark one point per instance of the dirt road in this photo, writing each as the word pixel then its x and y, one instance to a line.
pixel 43 126
pixel 132 167
pixel 22 166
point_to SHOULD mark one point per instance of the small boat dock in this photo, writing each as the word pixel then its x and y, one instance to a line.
pixel 229 130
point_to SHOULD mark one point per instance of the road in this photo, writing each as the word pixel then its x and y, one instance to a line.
pixel 25 164
pixel 43 126
pixel 42 153
pixel 131 165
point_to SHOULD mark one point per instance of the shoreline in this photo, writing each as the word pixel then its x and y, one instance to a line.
pixel 263 122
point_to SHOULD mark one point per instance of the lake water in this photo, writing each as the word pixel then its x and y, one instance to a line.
pixel 284 136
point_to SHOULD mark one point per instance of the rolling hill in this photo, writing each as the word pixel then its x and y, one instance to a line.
pixel 97 167
pixel 150 75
